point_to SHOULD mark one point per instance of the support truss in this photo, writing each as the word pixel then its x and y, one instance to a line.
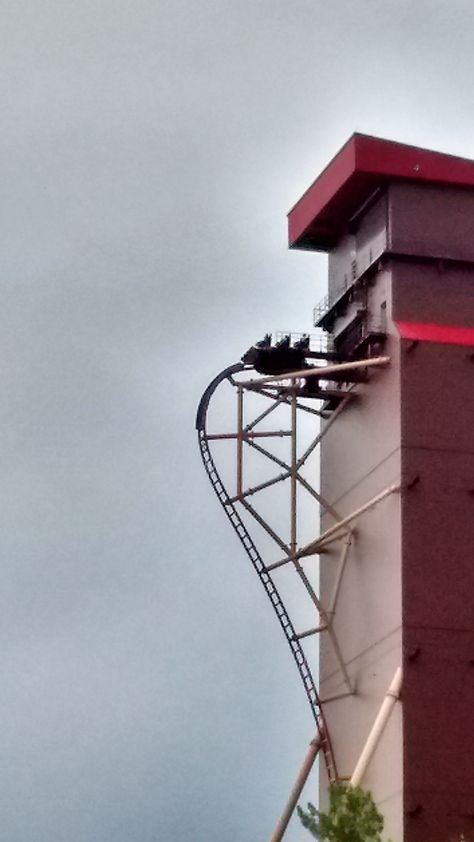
pixel 290 393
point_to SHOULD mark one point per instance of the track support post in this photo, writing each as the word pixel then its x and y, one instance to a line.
pixel 303 774
pixel 391 696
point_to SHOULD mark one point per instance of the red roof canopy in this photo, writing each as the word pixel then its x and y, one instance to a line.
pixel 362 165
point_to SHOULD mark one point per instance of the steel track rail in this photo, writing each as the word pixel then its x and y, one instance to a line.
pixel 263 574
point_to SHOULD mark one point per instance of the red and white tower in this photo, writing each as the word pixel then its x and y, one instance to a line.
pixel 398 225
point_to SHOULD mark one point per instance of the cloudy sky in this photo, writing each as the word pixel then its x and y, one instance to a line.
pixel 149 154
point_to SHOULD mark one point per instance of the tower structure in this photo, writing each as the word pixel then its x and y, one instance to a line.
pixel 398 225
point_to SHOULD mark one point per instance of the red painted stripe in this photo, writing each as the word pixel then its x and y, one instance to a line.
pixel 447 334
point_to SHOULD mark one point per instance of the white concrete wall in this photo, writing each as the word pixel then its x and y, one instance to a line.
pixel 360 457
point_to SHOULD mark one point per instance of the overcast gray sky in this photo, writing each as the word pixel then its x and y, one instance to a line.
pixel 149 154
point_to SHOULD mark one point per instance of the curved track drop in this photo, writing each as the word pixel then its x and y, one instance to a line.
pixel 229 505
pixel 293 394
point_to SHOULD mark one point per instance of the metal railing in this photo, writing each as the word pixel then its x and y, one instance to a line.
pixel 329 300
pixel 320 342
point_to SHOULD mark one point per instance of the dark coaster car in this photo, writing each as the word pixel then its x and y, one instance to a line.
pixel 279 358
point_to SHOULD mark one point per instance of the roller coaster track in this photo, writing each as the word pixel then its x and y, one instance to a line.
pixel 261 569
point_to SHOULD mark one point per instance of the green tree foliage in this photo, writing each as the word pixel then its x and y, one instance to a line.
pixel 352 816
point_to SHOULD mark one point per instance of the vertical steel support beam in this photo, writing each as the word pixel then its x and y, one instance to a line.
pixel 295 794
pixel 293 475
pixel 327 622
pixel 325 429
pixel 240 422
